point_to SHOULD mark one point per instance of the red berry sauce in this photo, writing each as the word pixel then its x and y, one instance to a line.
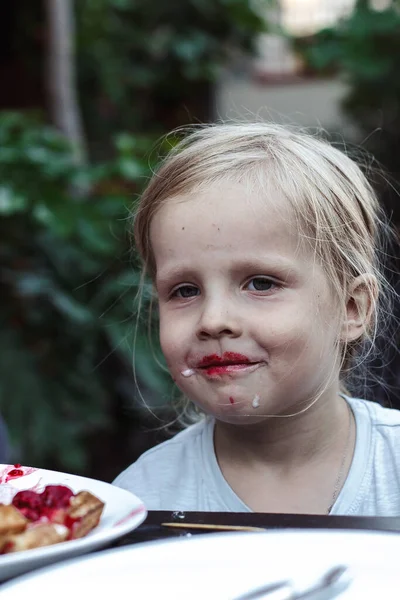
pixel 15 473
pixel 48 504
pixel 29 504
pixel 56 496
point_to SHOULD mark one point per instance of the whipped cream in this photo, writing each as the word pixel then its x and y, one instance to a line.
pixel 10 484
pixel 187 372
pixel 7 493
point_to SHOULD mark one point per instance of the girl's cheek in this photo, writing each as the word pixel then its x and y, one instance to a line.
pixel 284 330
pixel 172 347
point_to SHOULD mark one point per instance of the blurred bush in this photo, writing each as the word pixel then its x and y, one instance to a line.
pixel 151 67
pixel 68 288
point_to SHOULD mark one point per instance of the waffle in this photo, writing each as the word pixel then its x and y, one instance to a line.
pixel 55 515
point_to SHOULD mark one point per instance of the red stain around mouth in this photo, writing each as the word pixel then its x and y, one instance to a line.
pixel 226 358
pixel 231 400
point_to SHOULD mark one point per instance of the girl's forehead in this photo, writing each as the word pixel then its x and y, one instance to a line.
pixel 225 216
pixel 226 204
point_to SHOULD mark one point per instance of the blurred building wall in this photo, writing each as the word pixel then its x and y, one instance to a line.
pixel 309 103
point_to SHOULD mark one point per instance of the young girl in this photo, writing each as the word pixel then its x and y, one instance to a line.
pixel 262 246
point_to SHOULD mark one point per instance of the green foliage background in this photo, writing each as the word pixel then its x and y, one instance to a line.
pixel 152 68
pixel 69 284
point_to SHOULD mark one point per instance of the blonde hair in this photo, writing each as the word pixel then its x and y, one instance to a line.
pixel 332 200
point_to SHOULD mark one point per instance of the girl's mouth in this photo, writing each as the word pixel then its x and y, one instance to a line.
pixel 230 363
pixel 236 369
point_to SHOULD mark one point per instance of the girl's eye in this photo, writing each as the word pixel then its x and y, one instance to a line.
pixel 185 291
pixel 260 284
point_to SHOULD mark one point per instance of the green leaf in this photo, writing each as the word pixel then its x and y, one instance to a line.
pixel 11 202
pixel 130 168
pixel 125 143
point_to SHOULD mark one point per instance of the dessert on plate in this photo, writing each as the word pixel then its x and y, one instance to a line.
pixel 42 518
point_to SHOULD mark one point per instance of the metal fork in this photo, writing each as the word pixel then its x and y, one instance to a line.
pixel 332 583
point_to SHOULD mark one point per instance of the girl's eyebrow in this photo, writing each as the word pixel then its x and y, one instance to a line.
pixel 274 265
pixel 265 263
pixel 173 274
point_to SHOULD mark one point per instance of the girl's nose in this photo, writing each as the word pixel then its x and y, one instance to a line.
pixel 217 321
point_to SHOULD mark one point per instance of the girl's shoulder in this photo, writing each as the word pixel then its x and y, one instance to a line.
pixel 380 416
pixel 167 475
pixel 182 445
pixel 182 439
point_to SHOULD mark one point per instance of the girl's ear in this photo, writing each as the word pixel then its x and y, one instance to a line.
pixel 361 300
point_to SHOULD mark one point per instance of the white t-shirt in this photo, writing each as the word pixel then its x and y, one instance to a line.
pixel 183 473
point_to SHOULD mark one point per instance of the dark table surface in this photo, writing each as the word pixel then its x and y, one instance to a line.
pixel 152 529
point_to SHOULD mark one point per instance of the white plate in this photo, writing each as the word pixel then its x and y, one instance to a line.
pixel 222 566
pixel 122 513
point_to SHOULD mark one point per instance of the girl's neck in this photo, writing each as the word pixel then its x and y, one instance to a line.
pixel 285 443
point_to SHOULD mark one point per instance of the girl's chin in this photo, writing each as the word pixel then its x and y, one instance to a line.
pixel 236 412
pixel 239 419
